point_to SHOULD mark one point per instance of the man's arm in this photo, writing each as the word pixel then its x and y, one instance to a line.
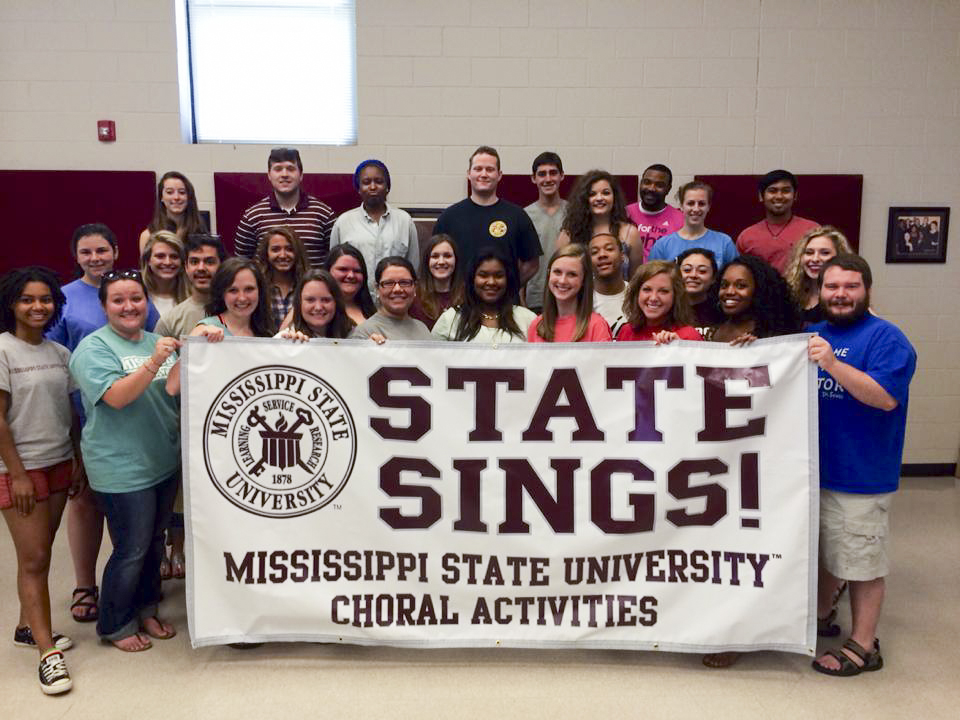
pixel 856 382
pixel 527 269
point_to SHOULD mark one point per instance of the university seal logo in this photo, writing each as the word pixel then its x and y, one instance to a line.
pixel 279 442
pixel 497 229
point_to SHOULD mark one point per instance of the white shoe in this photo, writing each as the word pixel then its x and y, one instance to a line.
pixel 54 678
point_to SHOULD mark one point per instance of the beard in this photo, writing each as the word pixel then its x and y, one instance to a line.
pixel 860 309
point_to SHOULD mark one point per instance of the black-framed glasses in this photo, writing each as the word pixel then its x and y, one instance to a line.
pixel 112 275
pixel 390 284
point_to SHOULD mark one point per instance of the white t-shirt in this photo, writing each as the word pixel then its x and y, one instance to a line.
pixel 609 307
pixel 39 384
pixel 448 322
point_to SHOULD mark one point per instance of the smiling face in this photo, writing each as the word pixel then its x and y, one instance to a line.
pixel 202 264
pixel 697 274
pixel 242 296
pixel 565 279
pixel 95 256
pixel 606 255
pixel 695 207
pixel 164 261
pixel 655 298
pixel 442 262
pixel 173 196
pixel 547 178
pixel 126 308
pixel 736 290
pixel 490 281
pixel 818 250
pixel 778 198
pixel 317 305
pixel 654 187
pixel 285 177
pixel 843 296
pixel 346 271
pixel 484 174
pixel 33 309
pixel 373 186
pixel 600 198
pixel 396 291
pixel 280 254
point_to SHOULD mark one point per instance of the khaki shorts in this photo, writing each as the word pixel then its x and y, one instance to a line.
pixel 855 535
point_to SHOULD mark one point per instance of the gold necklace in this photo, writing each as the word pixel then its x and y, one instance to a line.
pixel 489 317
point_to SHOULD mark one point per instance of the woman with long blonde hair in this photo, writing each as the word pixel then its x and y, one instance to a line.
pixel 803 267
pixel 162 267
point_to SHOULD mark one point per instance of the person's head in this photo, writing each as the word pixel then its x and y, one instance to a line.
pixel 31 298
pixel 547 174
pixel 695 200
pixel 123 295
pixel 934 227
pixel 318 307
pixel 347 266
pixel 655 297
pixel 808 256
pixel 94 247
pixel 439 258
pixel 606 256
pixel 240 290
pixel 491 279
pixel 371 180
pixel 396 285
pixel 595 197
pixel 778 192
pixel 484 171
pixel 162 264
pixel 280 251
pixel 285 171
pixel 175 195
pixel 569 278
pixel 845 281
pixel 698 270
pixel 751 287
pixel 655 184
pixel 204 255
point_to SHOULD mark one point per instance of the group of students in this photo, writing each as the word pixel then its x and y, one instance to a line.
pixel 102 338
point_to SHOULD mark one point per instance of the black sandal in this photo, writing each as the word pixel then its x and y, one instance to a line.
pixel 826 627
pixel 86 604
pixel 848 668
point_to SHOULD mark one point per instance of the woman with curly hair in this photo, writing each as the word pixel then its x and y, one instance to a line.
pixel 349 269
pixel 318 309
pixel 440 285
pixel 162 266
pixel 755 302
pixel 283 261
pixel 656 306
pixel 596 206
pixel 175 210
pixel 803 267
pixel 489 312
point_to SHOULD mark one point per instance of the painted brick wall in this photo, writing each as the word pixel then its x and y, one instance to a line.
pixel 712 86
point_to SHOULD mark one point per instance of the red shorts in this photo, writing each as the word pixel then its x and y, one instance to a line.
pixel 46 481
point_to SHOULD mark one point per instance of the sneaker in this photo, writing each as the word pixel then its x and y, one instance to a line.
pixel 54 678
pixel 23 637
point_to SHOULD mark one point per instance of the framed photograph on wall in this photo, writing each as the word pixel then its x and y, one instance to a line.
pixel 917 234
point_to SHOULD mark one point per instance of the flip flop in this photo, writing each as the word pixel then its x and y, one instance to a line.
pixel 166 569
pixel 166 631
pixel 84 608
pixel 145 643
pixel 178 566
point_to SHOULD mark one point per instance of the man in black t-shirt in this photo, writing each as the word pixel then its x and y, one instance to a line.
pixel 483 219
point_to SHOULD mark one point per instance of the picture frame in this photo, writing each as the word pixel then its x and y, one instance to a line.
pixel 917 234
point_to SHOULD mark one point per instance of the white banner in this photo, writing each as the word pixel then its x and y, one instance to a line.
pixel 602 495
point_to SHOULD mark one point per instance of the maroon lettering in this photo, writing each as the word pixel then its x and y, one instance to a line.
pixel 469 520
pixel 390 483
pixel 418 408
pixel 644 394
pixel 601 511
pixel 486 382
pixel 566 382
pixel 678 483
pixel 716 402
pixel 520 477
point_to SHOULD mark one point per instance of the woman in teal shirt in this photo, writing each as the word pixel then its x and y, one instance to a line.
pixel 131 450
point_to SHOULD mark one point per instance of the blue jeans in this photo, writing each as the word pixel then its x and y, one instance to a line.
pixel 130 589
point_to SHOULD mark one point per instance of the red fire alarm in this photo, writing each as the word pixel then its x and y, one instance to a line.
pixel 106 130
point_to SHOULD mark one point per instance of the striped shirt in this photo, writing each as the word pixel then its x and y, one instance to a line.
pixel 310 219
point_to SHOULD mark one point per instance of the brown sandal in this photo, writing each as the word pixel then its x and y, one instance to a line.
pixel 84 608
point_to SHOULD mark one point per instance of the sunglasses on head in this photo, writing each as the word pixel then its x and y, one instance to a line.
pixel 112 275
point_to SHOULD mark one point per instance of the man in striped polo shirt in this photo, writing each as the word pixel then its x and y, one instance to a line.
pixel 286 205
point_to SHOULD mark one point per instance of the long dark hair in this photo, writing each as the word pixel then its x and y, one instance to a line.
pixel 192 222
pixel 11 288
pixel 301 262
pixel 427 286
pixel 363 299
pixel 261 322
pixel 772 308
pixel 471 319
pixel 340 325
pixel 578 221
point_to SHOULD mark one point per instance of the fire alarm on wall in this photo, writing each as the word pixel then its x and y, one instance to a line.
pixel 106 130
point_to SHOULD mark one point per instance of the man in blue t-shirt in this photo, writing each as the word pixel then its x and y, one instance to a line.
pixel 866 364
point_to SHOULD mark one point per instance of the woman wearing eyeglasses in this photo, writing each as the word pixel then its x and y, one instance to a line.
pixel 131 450
pixel 396 288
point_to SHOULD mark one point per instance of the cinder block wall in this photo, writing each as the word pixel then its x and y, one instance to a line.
pixel 713 86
